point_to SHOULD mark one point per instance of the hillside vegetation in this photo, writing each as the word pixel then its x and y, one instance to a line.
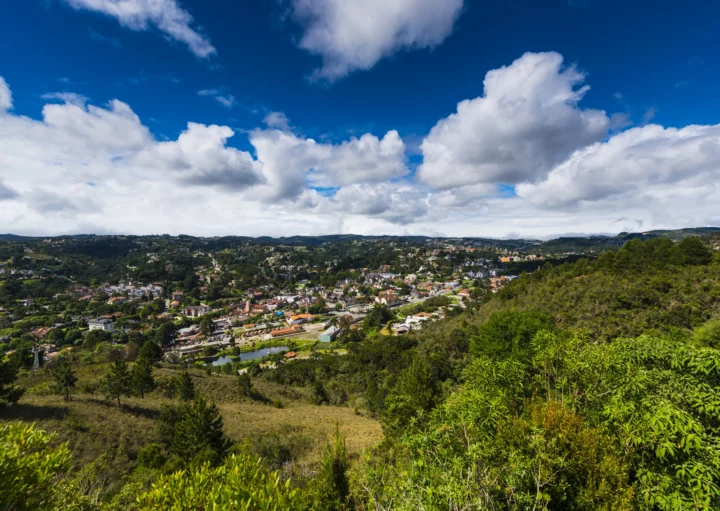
pixel 590 385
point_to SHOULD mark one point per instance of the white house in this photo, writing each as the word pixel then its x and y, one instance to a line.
pixel 101 324
pixel 195 311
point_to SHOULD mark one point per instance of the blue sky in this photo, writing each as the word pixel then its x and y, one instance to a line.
pixel 400 70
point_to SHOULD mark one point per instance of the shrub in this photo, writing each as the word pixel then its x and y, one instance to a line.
pixel 151 456
pixel 30 469
pixel 240 483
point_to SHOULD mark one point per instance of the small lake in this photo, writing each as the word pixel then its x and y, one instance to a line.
pixel 251 355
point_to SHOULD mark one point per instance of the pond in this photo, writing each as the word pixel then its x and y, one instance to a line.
pixel 251 355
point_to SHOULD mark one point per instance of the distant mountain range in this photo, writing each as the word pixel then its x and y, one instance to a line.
pixel 561 244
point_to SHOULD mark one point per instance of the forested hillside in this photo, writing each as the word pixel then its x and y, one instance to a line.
pixel 590 385
pixel 645 286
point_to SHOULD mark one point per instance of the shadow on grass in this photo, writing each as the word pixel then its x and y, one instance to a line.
pixel 257 397
pixel 148 413
pixel 28 412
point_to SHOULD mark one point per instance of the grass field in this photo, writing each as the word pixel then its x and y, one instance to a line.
pixel 96 429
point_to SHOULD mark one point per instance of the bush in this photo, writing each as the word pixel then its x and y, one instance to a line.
pixel 151 456
pixel 240 483
pixel 193 430
pixel 708 334
pixel 210 351
pixel 30 470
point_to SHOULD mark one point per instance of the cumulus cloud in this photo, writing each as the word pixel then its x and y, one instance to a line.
pixel 200 157
pixel 527 121
pixel 114 130
pixel 524 158
pixel 77 150
pixel 290 161
pixel 165 15
pixel 367 159
pixel 84 168
pixel 394 203
pixel 5 96
pixel 352 36
pixel 650 162
pixel 397 204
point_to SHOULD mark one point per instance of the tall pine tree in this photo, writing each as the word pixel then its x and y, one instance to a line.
pixel 245 385
pixel 65 378
pixel 142 377
pixel 118 382
pixel 199 431
pixel 185 387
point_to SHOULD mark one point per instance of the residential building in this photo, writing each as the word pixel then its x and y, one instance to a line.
pixel 195 311
pixel 104 324
pixel 330 334
pixel 282 332
pixel 300 319
pixel 416 319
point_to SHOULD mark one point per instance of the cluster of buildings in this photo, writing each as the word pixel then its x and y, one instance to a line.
pixel 120 293
pixel 280 303
pixel 414 322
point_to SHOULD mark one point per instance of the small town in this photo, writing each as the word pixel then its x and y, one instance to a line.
pixel 301 295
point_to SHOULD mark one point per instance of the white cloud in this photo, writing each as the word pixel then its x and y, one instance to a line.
pixel 367 159
pixel 286 159
pixel 386 203
pixel 67 97
pixel 114 130
pixel 88 168
pixel 277 120
pixel 648 116
pixel 290 162
pixel 226 100
pixel 200 157
pixel 5 96
pixel 643 165
pixel 355 35
pixel 527 121
pixel 397 204
pixel 165 15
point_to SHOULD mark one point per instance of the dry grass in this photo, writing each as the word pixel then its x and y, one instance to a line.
pixel 317 423
pixel 94 427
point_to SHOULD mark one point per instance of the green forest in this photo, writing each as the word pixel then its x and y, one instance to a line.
pixel 589 385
